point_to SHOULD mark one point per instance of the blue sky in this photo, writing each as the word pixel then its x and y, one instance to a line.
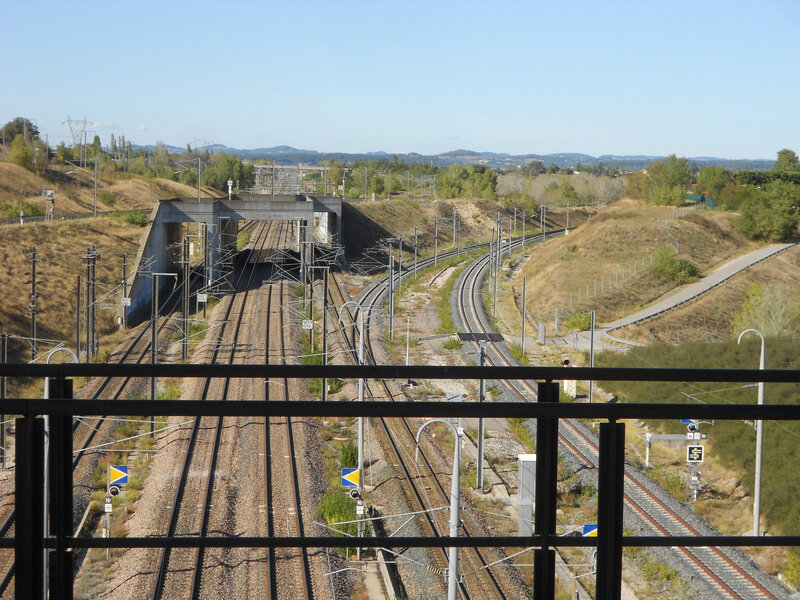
pixel 641 77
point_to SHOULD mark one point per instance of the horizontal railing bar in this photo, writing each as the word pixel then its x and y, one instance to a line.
pixel 305 408
pixel 415 542
pixel 423 372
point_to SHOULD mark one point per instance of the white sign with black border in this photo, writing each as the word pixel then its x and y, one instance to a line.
pixel 202 297
pixel 308 324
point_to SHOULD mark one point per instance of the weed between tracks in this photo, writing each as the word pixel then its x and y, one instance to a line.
pixel 340 452
pixel 99 565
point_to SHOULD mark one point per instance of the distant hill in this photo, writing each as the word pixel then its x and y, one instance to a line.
pixel 289 156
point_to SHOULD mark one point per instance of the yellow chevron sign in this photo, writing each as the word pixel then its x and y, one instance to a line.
pixel 350 477
pixel 117 474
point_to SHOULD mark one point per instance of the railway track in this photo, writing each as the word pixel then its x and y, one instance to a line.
pixel 87 431
pixel 294 579
pixel 423 479
pixel 723 571
pixel 179 506
pixel 206 453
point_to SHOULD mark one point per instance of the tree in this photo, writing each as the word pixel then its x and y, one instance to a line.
pixel 536 168
pixel 469 182
pixel 227 167
pixel 21 153
pixel 772 310
pixel 667 181
pixel 769 214
pixel 23 127
pixel 95 148
pixel 636 184
pixel 787 161
pixel 63 152
pixel 782 197
pixel 712 181
pixel 668 266
pixel 730 196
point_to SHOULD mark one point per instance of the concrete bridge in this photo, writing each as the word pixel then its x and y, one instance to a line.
pixel 319 220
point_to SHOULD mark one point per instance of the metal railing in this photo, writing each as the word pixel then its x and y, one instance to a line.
pixel 31 539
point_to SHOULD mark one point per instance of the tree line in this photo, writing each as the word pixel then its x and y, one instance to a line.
pixel 383 177
pixel 29 151
pixel 768 201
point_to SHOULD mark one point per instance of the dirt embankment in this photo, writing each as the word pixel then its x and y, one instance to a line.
pixel 605 266
pixel 61 244
pixel 73 188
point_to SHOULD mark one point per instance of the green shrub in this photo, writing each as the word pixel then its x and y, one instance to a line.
pixel 469 479
pixel 348 455
pixel 579 322
pixel 99 476
pixel 452 344
pixel 211 302
pixel 667 266
pixel 172 391
pixel 335 386
pixel 517 427
pixel 196 328
pixel 242 239
pixel 107 198
pixel 657 571
pixel 10 210
pixel 516 353
pixel 674 485
pixel 312 355
pixel 336 506
pixel 138 217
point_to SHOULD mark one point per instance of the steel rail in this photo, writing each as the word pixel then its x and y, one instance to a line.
pixel 470 285
pixel 305 575
pixel 177 503
pixel 210 480
pixel 94 428
pixel 371 299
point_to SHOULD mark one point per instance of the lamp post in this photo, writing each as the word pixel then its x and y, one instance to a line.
pixel 591 357
pixel 94 212
pixel 365 179
pixel 154 338
pixel 455 492
pixel 95 186
pixel 759 437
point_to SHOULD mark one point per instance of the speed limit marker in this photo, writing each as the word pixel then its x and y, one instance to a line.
pixel 694 454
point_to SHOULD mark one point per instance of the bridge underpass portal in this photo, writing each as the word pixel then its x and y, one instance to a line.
pixel 319 220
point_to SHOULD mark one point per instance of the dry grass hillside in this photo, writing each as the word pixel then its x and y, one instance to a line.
pixel 364 223
pixel 74 189
pixel 604 265
pixel 710 316
pixel 60 246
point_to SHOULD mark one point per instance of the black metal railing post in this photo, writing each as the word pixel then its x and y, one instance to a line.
pixel 544 559
pixel 29 500
pixel 60 467
pixel 609 510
